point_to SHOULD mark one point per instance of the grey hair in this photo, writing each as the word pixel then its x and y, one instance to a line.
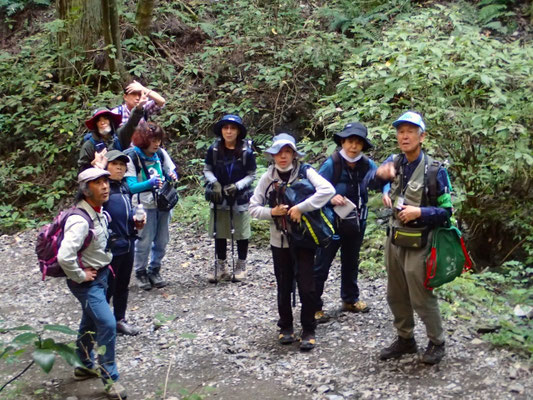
pixel 83 192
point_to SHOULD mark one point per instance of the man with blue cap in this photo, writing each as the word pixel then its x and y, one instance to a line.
pixel 416 213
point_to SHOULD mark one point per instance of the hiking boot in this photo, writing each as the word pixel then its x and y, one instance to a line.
pixel 83 373
pixel 307 341
pixel 286 336
pixel 320 317
pixel 115 391
pixel 359 307
pixel 240 271
pixel 143 282
pixel 126 329
pixel 156 280
pixel 222 272
pixel 398 348
pixel 433 354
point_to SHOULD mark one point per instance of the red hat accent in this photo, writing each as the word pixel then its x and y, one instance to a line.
pixel 115 119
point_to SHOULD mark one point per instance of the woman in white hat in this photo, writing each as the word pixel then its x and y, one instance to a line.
pixel 286 168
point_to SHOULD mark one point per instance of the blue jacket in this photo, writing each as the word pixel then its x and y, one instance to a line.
pixel 122 226
pixel 363 173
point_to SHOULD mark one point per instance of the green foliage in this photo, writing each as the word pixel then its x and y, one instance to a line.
pixel 193 211
pixel 489 299
pixel 11 7
pixel 470 89
pixel 44 350
pixel 493 12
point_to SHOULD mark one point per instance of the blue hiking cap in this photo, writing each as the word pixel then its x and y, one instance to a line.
pixel 280 141
pixel 230 119
pixel 353 129
pixel 412 118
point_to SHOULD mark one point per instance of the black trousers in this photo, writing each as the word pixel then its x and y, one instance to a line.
pixel 242 248
pixel 118 284
pixel 286 270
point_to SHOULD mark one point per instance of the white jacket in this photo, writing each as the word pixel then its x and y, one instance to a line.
pixel 258 203
pixel 75 232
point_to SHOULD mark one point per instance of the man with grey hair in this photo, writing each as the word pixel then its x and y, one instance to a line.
pixel 87 275
pixel 416 213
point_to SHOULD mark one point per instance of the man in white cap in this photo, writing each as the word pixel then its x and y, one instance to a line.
pixel 417 211
pixel 87 275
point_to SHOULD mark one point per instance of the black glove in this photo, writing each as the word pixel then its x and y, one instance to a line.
pixel 216 191
pixel 230 190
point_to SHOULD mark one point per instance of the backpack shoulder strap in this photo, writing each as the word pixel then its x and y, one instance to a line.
pixel 302 173
pixel 215 151
pixel 337 167
pixel 246 148
pixel 85 215
pixel 432 171
pixel 134 157
pixel 397 161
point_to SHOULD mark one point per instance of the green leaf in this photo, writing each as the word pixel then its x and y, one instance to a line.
pixel 68 354
pixel 25 338
pixel 44 358
pixel 101 350
pixel 60 328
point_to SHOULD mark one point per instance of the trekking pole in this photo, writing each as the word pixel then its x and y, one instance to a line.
pixel 215 238
pixel 232 231
pixel 285 231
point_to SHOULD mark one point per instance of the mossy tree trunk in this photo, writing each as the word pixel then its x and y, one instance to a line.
pixel 111 31
pixel 81 33
pixel 143 17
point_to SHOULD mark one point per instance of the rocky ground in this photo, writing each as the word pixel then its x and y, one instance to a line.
pixel 196 335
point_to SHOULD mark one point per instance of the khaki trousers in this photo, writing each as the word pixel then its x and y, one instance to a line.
pixel 406 272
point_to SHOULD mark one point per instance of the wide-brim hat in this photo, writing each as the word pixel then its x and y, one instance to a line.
pixel 412 118
pixel 92 174
pixel 230 119
pixel 353 129
pixel 280 141
pixel 116 155
pixel 115 119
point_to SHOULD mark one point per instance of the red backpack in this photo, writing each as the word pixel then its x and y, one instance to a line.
pixel 49 241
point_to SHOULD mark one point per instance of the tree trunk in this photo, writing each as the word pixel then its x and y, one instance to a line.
pixel 82 31
pixel 111 30
pixel 144 16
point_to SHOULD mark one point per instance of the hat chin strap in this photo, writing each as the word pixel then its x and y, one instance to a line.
pixel 348 158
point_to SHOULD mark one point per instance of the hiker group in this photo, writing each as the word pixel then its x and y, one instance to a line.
pixel 120 224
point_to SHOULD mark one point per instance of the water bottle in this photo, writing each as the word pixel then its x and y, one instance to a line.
pixel 140 214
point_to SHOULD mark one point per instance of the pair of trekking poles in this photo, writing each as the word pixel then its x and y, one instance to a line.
pixel 230 201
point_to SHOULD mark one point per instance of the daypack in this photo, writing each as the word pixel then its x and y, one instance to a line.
pixel 448 257
pixel 116 141
pixel 49 240
pixel 316 227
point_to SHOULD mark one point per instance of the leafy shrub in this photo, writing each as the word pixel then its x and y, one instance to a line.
pixel 469 87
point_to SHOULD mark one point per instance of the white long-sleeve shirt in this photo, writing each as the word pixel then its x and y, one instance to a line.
pixel 75 231
pixel 258 203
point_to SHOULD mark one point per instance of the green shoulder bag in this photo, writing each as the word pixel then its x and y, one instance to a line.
pixel 448 257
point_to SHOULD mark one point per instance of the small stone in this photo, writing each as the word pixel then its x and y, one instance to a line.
pixel 516 388
pixel 476 341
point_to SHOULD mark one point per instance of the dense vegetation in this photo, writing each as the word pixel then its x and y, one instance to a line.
pixel 300 66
